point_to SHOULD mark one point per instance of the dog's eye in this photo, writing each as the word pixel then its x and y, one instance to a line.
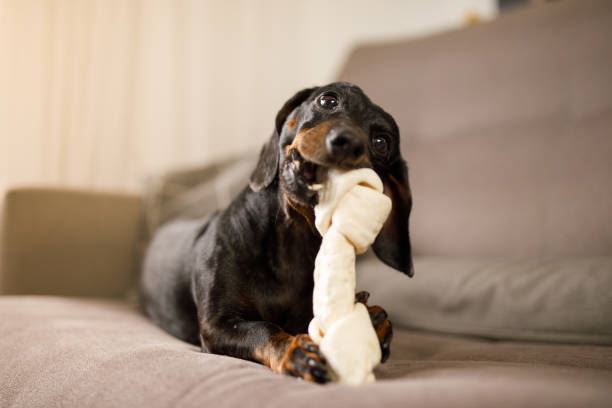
pixel 380 145
pixel 328 100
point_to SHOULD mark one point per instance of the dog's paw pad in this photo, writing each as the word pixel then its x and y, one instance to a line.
pixel 303 359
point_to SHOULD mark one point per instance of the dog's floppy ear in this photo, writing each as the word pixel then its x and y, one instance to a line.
pixel 392 246
pixel 267 167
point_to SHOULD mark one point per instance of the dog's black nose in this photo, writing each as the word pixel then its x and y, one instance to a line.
pixel 344 146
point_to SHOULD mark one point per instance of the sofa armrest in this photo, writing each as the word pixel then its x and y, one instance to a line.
pixel 70 242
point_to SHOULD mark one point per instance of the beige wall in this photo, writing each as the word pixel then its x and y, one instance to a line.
pixel 101 93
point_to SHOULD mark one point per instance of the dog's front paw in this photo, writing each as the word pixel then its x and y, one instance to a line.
pixel 303 359
pixel 382 325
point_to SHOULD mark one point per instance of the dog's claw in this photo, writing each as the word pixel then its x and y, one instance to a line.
pixel 320 376
pixel 385 341
pixel 312 348
pixel 362 297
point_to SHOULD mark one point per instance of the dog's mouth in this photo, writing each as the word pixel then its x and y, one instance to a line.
pixel 312 174
pixel 303 178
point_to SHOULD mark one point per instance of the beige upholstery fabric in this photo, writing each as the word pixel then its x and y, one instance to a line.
pixel 196 192
pixel 507 128
pixel 78 353
pixel 72 243
pixel 554 300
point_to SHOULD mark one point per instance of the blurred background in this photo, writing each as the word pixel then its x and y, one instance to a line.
pixel 103 93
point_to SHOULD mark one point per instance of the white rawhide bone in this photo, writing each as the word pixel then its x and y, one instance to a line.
pixel 351 211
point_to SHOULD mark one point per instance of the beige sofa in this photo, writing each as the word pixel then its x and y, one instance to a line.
pixel 507 128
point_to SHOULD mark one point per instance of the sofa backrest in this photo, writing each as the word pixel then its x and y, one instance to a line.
pixel 507 130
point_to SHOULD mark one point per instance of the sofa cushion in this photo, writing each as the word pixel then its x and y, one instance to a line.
pixel 196 192
pixel 564 300
pixel 86 353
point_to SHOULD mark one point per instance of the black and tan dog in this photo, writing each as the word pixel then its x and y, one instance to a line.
pixel 240 282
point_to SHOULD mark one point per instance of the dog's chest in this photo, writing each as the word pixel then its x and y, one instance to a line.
pixel 287 299
pixel 285 292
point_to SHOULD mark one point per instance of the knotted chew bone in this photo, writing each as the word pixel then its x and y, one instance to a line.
pixel 351 211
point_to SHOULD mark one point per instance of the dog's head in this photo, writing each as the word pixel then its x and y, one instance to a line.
pixel 338 126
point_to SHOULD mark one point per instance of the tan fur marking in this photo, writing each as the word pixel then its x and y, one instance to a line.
pixel 310 143
pixel 304 211
pixel 273 352
pixel 291 124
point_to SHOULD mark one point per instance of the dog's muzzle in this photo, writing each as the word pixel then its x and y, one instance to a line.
pixel 345 146
pixel 333 143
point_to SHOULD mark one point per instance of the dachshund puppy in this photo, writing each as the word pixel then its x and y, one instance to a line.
pixel 240 282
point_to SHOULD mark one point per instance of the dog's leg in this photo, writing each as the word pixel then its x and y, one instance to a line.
pixel 268 344
pixel 382 325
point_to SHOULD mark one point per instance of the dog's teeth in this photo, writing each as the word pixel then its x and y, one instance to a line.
pixel 315 187
pixel 296 163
